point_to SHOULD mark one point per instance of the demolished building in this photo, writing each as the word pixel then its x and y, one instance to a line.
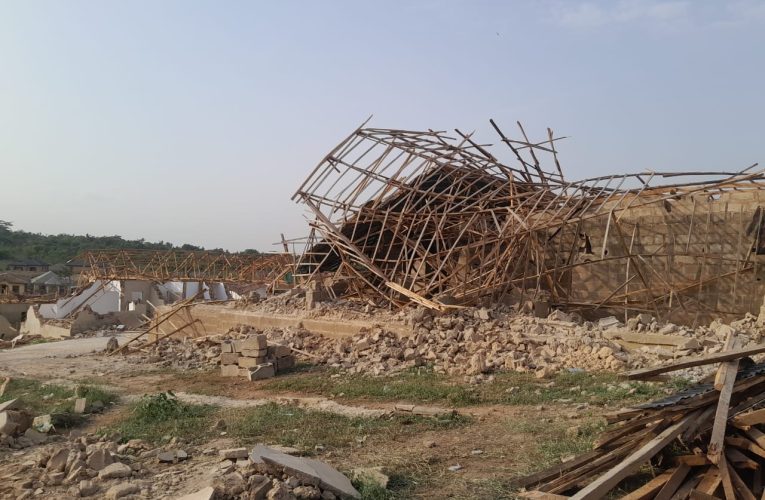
pixel 418 216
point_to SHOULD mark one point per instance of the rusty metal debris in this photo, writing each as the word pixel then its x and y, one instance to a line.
pixel 403 216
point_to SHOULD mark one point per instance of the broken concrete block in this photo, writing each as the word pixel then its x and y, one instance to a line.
pixel 226 347
pixel 115 471
pixel 285 363
pixel 13 422
pixel 80 405
pixel 8 405
pixel 99 459
pixel 57 461
pixel 608 322
pixel 254 342
pixel 230 371
pixel 233 453
pixel 307 470
pixel 260 372
pixel 203 494
pixel 254 353
pixel 87 488
pixel 229 358
pixel 122 490
pixel 250 362
pixel 279 351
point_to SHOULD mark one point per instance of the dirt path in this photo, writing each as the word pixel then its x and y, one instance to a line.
pixel 70 361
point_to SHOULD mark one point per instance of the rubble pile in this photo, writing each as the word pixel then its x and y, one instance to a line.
pixel 99 467
pixel 470 342
pixel 479 342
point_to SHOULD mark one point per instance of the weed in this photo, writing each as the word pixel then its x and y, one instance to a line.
pixel 425 386
pixel 40 398
pixel 161 416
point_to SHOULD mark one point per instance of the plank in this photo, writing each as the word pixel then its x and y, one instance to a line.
pixel 692 460
pixel 699 495
pixel 716 441
pixel 752 418
pixel 649 489
pixel 607 481
pixel 739 485
pixel 674 483
pixel 731 343
pixel 556 470
pixel 698 361
pixel 685 490
pixel 727 482
pixel 652 339
pixel 740 460
pixel 745 444
pixel 710 481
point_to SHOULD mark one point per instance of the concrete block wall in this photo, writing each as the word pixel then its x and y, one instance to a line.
pixel 680 243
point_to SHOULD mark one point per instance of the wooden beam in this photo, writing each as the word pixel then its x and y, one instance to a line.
pixel 605 483
pixel 690 362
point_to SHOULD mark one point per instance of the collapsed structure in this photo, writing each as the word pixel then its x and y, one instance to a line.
pixel 406 216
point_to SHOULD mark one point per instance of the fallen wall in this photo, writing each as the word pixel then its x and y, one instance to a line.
pixel 37 325
pixel 215 319
pixel 7 332
pixel 14 313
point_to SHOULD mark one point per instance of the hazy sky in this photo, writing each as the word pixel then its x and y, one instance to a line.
pixel 191 121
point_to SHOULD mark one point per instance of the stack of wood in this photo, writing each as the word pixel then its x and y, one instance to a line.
pixel 705 442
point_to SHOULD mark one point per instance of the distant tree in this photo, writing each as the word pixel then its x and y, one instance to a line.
pixel 187 246
pixel 251 251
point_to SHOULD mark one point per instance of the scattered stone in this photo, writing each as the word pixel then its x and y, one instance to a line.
pixel 122 490
pixel 203 494
pixel 233 453
pixel 80 405
pixel 115 471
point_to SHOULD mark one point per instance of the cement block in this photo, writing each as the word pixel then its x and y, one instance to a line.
pixel 254 353
pixel 229 358
pixel 230 371
pixel 245 362
pixel 80 405
pixel 254 342
pixel 260 372
pixel 279 351
pixel 285 363
pixel 227 347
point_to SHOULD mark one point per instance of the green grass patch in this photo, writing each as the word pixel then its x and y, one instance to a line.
pixel 39 398
pixel 305 429
pixel 160 417
pixel 556 439
pixel 425 386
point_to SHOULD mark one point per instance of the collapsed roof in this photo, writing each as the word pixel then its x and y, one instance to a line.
pixel 420 216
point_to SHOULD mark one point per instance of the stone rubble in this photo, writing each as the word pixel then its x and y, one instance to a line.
pixel 83 466
pixel 473 343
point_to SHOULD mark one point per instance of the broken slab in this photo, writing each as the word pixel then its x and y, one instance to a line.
pixel 203 494
pixel 261 372
pixel 80 405
pixel 8 405
pixel 308 470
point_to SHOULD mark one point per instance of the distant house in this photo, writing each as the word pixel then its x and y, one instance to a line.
pixel 31 283
pixel 35 265
pixel 16 282
pixel 77 266
pixel 50 283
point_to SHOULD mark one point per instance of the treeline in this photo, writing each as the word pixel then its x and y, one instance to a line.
pixel 59 248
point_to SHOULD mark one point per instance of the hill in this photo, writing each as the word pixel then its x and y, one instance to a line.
pixel 59 248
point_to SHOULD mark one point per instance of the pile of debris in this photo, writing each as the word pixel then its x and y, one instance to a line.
pixel 704 440
pixel 407 216
pixel 100 467
pixel 253 358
